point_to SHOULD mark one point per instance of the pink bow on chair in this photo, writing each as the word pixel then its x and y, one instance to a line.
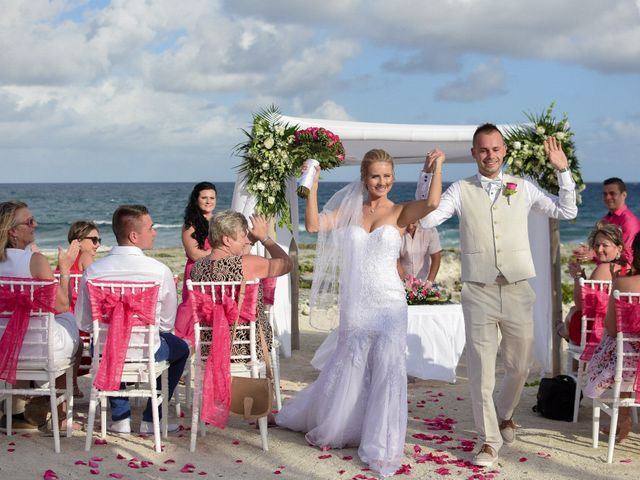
pixel 122 312
pixel 216 388
pixel 628 321
pixel 20 303
pixel 594 305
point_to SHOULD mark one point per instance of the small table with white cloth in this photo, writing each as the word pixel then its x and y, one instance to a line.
pixel 435 340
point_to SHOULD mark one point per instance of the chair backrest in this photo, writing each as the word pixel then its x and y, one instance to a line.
pixel 74 287
pixel 103 294
pixel 627 339
pixel 37 347
pixel 595 297
pixel 215 293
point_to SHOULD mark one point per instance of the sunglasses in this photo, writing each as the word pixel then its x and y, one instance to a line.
pixel 30 222
pixel 94 240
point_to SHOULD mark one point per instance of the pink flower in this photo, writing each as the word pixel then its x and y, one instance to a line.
pixel 509 189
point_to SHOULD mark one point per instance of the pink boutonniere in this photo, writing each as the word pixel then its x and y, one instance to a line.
pixel 510 189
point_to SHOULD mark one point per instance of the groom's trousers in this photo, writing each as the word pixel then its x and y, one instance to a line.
pixel 489 308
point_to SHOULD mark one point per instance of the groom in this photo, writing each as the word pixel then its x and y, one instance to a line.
pixel 496 262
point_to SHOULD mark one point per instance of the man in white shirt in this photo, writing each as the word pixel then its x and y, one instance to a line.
pixel 496 262
pixel 420 253
pixel 134 231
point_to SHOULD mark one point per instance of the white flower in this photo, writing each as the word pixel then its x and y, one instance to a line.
pixel 517 145
pixel 271 200
pixel 280 130
pixel 268 143
pixel 540 130
pixel 518 163
pixel 560 135
pixel 260 186
pixel 265 166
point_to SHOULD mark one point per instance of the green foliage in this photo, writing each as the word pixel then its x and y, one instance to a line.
pixel 567 293
pixel 526 156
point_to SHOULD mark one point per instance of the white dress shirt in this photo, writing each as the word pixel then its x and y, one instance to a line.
pixel 128 263
pixel 563 206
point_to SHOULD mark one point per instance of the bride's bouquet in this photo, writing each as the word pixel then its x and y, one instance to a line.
pixel 317 146
pixel 421 292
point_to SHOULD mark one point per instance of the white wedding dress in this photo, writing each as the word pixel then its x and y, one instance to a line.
pixel 360 397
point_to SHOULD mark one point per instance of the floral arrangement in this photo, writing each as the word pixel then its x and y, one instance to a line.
pixel 268 161
pixel 317 144
pixel 510 189
pixel 421 292
pixel 526 156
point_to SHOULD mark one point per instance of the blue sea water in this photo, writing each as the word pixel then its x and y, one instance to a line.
pixel 57 205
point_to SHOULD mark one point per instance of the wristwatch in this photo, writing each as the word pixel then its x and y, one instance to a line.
pixel 566 169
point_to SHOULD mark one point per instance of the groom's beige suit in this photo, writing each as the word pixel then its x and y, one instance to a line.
pixel 496 296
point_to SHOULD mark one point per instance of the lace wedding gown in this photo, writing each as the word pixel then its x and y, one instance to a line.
pixel 360 397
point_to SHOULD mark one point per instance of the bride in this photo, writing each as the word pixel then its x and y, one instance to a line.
pixel 360 397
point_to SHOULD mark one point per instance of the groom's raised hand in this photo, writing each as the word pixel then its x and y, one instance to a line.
pixel 433 159
pixel 553 149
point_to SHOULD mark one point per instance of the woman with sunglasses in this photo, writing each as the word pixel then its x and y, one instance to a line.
pixel 17 260
pixel 87 235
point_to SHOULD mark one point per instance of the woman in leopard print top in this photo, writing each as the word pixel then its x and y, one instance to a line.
pixel 230 237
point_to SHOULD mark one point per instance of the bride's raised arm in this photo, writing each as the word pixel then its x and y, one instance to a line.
pixel 313 221
pixel 414 211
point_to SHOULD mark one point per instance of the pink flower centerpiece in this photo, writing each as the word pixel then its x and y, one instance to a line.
pixel 421 292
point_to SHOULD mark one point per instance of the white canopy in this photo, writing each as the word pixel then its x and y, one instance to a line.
pixel 406 143
pixel 409 144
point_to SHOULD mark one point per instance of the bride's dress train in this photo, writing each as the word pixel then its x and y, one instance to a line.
pixel 360 397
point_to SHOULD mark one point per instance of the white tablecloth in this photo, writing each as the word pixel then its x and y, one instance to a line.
pixel 435 339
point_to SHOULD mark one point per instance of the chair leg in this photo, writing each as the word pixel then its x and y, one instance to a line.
pixel 92 416
pixel 69 400
pixel 103 416
pixel 576 400
pixel 8 410
pixel 612 433
pixel 262 423
pixel 55 425
pixel 164 386
pixel 595 425
pixel 195 410
pixel 275 361
pixel 155 416
pixel 634 415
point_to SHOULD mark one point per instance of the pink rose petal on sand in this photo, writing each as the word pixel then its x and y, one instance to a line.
pixel 12 444
pixel 238 461
pixel 443 471
pixel 93 464
pixel 145 463
pixel 99 441
pixel 97 459
pixel 188 468
pixel 340 472
pixel 235 442
pixel 11 450
pixel 625 460
pixel 116 475
pixel 347 457
pixel 404 469
pixel 79 462
pixel 170 460
pixel 133 464
pixel 522 459
pixel 162 469
pixel 277 472
pixel 120 457
pixel 94 471
pixel 50 475
pixel 324 457
pixel 202 473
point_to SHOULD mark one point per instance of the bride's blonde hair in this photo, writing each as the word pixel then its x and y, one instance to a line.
pixel 373 156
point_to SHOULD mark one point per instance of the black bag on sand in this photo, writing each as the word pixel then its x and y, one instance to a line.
pixel 556 397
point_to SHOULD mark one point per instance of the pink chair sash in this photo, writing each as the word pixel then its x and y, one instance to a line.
pixel 628 321
pixel 594 305
pixel 20 304
pixel 268 290
pixel 249 313
pixel 216 389
pixel 122 311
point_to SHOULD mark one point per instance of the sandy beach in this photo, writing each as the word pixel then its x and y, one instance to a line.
pixel 439 440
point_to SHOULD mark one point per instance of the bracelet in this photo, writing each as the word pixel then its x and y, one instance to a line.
pixel 566 169
pixel 265 239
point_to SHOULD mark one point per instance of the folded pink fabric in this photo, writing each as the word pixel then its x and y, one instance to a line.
pixel 628 321
pixel 20 303
pixel 268 290
pixel 122 310
pixel 594 305
pixel 216 384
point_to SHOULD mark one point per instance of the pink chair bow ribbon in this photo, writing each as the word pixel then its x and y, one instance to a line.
pixel 628 321
pixel 268 290
pixel 594 305
pixel 122 311
pixel 20 304
pixel 216 388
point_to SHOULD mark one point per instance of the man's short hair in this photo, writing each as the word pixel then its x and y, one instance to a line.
pixel 485 129
pixel 615 181
pixel 124 220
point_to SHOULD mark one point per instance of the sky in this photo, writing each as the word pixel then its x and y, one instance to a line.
pixel 159 90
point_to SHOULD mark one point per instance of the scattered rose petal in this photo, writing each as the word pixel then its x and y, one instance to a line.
pixel 236 442
pixel 99 441
pixel 120 457
pixel 79 462
pixel 324 457
pixel 93 464
pixel 170 460
pixel 97 459
pixel 94 471
pixel 347 457
pixel 133 464
pixel 116 475
pixel 443 471
pixel 11 450
pixel 202 473
pixel 238 461
pixel 181 414
pixel 625 460
pixel 340 472
pixel 277 472
pixel 459 398
pixel 145 463
pixel 188 468
pixel 523 459
pixel 50 475
pixel 162 469
pixel 404 469
pixel 12 444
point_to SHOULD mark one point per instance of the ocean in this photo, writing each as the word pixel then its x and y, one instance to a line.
pixel 57 205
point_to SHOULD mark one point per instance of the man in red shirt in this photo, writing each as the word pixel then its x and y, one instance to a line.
pixel 614 194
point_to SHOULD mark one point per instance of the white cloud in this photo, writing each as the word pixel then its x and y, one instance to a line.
pixel 484 81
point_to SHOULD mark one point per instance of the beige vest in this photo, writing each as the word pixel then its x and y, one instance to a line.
pixel 494 238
